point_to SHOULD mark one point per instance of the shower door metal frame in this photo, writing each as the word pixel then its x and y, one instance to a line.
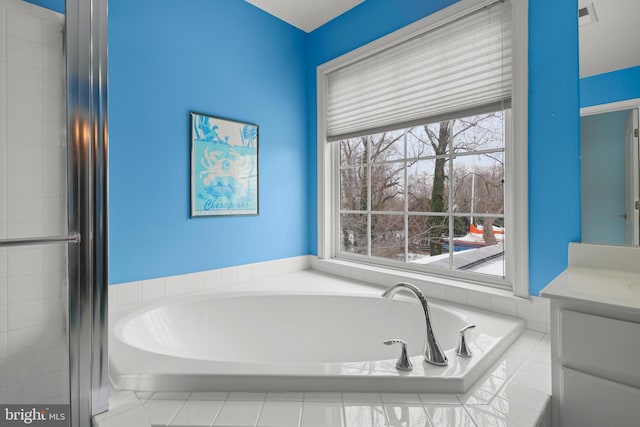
pixel 87 206
pixel 87 139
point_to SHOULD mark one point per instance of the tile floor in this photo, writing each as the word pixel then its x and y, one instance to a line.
pixel 515 391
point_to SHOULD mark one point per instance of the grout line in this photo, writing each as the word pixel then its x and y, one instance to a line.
pixel 386 415
pixel 429 418
pixel 122 414
pixel 260 411
pixel 301 411
pixel 144 412
pixel 473 420
pixel 510 377
pixel 177 412
pixel 224 402
pixel 215 417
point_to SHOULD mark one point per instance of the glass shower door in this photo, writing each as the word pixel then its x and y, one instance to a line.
pixel 34 241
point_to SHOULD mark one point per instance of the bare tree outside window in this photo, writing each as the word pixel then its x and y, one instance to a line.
pixel 427 193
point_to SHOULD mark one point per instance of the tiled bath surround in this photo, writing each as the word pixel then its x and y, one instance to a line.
pixel 33 341
pixel 167 287
pixel 535 310
pixel 514 392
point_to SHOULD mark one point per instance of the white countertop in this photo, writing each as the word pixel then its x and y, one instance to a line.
pixel 608 276
pixel 617 289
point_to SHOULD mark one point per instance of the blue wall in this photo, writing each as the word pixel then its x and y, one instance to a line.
pixel 610 87
pixel 224 58
pixel 554 138
pixel 233 60
pixel 57 5
pixel 554 175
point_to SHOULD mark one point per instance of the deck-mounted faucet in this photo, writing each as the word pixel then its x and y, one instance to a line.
pixel 432 351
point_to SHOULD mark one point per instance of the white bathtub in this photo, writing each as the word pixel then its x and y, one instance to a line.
pixel 303 331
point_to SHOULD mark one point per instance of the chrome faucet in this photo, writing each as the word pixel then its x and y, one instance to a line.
pixel 432 351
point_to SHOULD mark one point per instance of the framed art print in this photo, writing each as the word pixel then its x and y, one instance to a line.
pixel 224 166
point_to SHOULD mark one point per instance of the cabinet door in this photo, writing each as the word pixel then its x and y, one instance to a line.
pixel 592 401
pixel 605 347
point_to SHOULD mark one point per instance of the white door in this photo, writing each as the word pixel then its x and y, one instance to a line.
pixel 632 171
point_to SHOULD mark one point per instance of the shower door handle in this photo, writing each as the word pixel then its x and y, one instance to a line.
pixel 28 241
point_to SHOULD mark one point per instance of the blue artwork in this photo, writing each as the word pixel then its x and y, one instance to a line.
pixel 224 167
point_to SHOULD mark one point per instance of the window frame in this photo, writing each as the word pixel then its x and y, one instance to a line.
pixel 516 159
pixel 405 213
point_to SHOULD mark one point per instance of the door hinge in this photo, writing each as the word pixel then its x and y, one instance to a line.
pixel 637 205
pixel 635 133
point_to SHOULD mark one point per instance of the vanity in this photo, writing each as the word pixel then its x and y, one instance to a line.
pixel 595 337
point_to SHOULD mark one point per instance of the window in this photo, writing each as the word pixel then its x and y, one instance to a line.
pixel 427 196
pixel 422 148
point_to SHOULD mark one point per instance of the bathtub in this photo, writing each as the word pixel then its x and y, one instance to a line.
pixel 304 331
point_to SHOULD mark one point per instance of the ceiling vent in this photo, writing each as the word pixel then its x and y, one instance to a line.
pixel 587 15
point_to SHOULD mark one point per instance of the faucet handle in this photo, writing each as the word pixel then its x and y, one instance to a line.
pixel 463 349
pixel 403 363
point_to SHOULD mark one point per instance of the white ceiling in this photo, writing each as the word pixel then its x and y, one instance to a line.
pixel 611 43
pixel 306 14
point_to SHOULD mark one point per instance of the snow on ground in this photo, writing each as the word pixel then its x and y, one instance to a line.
pixel 426 259
pixel 494 267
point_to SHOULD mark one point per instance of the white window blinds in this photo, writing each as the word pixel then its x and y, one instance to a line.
pixel 463 66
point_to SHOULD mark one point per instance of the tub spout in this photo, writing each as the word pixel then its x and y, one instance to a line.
pixel 432 351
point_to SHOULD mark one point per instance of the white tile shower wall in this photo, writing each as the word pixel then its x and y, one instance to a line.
pixel 33 349
pixel 534 310
pixel 229 277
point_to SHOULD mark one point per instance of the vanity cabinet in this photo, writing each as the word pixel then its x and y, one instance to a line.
pixel 602 346
pixel 589 400
pixel 596 369
pixel 595 338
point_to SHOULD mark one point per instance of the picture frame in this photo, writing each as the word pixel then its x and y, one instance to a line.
pixel 224 166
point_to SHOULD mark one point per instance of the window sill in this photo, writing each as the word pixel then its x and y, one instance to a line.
pixel 533 309
pixel 384 276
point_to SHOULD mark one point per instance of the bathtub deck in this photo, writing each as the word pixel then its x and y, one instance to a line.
pixel 145 356
pixel 515 391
